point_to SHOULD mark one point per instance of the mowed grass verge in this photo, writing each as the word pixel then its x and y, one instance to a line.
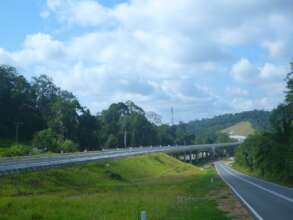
pixel 118 190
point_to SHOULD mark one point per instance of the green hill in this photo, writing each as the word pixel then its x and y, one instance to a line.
pixel 258 119
pixel 243 128
pixel 117 190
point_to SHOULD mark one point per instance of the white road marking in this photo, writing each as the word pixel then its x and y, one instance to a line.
pixel 258 186
pixel 254 212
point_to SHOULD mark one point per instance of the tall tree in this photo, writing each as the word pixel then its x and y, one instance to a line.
pixel 18 112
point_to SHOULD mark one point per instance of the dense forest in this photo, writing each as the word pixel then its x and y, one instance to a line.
pixel 270 154
pixel 39 114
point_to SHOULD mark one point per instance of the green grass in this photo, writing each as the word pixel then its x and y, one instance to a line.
pixel 244 128
pixel 163 186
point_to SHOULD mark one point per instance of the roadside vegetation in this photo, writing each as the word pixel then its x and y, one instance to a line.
pixel 270 154
pixel 163 186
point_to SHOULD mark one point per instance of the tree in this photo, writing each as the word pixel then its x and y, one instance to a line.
pixel 165 135
pixel 64 119
pixel 271 153
pixel 46 140
pixel 69 146
pixel 281 119
pixel 17 101
pixel 46 93
pixel 289 92
pixel 88 131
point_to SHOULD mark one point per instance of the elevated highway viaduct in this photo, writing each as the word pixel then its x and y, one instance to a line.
pixel 187 153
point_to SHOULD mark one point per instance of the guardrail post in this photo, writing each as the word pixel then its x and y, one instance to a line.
pixel 143 215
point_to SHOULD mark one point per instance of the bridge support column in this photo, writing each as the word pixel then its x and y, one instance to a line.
pixel 185 156
pixel 190 157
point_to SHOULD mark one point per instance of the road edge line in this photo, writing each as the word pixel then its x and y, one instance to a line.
pixel 248 206
pixel 257 185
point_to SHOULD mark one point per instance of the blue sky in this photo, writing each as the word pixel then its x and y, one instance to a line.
pixel 204 60
pixel 19 18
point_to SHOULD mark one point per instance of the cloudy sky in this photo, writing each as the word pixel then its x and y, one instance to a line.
pixel 202 57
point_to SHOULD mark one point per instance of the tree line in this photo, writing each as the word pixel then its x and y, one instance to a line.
pixel 270 153
pixel 43 115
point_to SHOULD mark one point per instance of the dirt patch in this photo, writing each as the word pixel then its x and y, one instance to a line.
pixel 228 203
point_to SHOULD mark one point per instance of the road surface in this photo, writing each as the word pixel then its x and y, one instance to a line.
pixel 265 200
pixel 19 164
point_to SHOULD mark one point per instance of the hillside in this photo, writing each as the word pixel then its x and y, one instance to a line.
pixel 163 186
pixel 258 119
pixel 243 128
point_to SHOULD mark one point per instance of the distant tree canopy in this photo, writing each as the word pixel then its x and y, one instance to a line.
pixel 271 153
pixel 53 119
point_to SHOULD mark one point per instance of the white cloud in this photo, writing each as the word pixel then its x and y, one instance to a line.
pixel 161 53
pixel 244 70
pixel 76 12
pixel 271 71
pixel 275 48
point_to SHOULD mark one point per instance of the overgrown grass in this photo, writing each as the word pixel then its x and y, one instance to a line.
pixel 163 186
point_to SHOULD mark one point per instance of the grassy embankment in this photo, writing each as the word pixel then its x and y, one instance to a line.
pixel 163 186
pixel 244 128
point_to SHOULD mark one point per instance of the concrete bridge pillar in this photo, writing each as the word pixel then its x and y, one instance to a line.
pixel 185 156
pixel 190 157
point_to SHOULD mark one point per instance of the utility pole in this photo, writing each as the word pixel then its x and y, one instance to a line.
pixel 125 138
pixel 17 125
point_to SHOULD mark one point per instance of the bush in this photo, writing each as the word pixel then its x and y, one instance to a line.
pixel 2 152
pixel 69 146
pixel 46 140
pixel 17 150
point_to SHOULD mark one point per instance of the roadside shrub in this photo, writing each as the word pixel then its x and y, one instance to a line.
pixel 2 152
pixel 46 140
pixel 69 146
pixel 17 150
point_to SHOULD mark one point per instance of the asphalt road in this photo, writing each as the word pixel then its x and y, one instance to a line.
pixel 265 200
pixel 29 163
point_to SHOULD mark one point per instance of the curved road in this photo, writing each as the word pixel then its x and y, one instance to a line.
pixel 265 200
